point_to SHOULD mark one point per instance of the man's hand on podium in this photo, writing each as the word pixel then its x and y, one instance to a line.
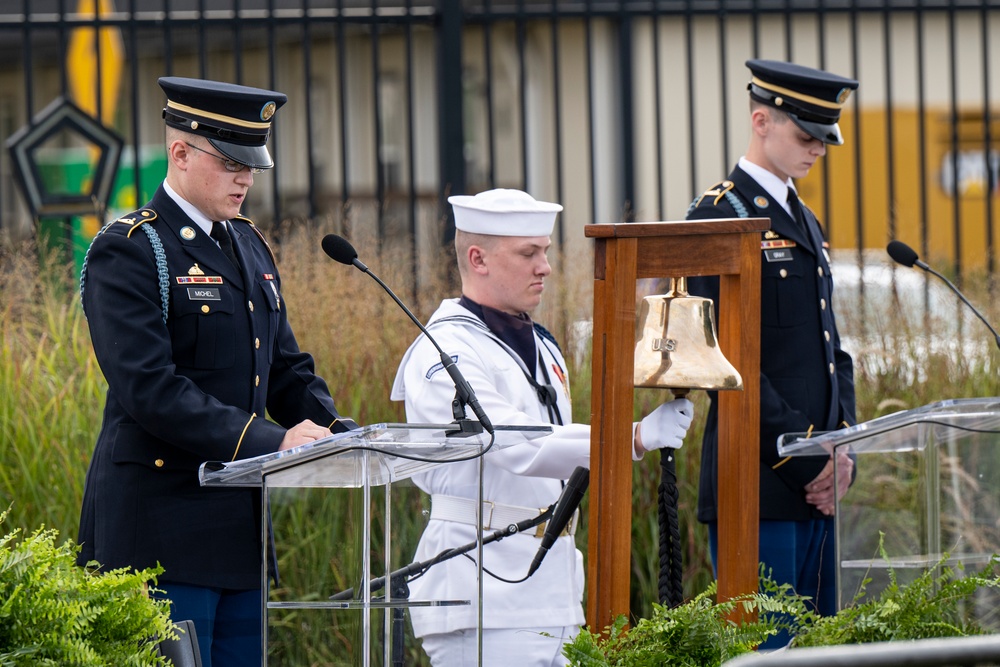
pixel 819 492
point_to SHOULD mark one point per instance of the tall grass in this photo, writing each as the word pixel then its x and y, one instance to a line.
pixel 51 399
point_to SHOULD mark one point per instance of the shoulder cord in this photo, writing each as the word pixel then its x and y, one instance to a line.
pixel 161 266
pixel 83 268
pixel 734 201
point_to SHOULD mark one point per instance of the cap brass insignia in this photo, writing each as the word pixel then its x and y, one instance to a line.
pixel 187 233
pixel 195 270
pixel 760 201
pixel 268 110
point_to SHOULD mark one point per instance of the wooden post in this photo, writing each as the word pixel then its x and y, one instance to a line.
pixel 625 253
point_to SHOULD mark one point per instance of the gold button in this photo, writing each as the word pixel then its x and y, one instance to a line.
pixel 822 304
pixel 819 270
pixel 205 309
pixel 250 305
pixel 783 273
pixel 256 381
pixel 158 463
pixel 256 343
pixel 827 334
pixel 832 369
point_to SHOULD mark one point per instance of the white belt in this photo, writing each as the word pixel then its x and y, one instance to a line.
pixel 495 515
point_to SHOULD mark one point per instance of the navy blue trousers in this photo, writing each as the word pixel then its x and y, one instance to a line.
pixel 800 553
pixel 228 622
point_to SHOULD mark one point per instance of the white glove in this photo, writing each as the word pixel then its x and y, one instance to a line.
pixel 667 425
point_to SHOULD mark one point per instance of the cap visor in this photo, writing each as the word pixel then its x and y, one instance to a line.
pixel 255 157
pixel 827 133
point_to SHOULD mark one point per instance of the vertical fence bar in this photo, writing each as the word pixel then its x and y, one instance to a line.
pixel 307 78
pixel 272 82
pixel 168 37
pixel 488 71
pixel 661 181
pixel 692 111
pixel 345 182
pixel 922 130
pixel 625 92
pixel 956 199
pixel 522 90
pixel 410 155
pixel 992 184
pixel 890 134
pixel 857 141
pixel 452 132
pixel 724 83
pixel 238 41
pixel 588 40
pixel 133 43
pixel 202 42
pixel 377 113
pixel 557 114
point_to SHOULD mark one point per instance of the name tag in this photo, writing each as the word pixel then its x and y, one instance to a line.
pixel 204 294
pixel 778 255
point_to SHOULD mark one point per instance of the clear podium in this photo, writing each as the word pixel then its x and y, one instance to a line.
pixel 373 456
pixel 927 484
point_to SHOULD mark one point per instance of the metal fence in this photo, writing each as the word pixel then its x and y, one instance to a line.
pixel 619 109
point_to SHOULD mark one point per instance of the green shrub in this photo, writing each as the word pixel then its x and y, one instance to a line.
pixel 697 633
pixel 941 602
pixel 54 614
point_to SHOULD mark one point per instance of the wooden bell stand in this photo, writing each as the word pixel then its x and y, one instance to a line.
pixel 624 253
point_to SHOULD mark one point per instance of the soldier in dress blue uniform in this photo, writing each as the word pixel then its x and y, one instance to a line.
pixel 807 380
pixel 183 300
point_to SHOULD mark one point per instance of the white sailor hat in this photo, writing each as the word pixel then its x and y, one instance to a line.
pixel 504 212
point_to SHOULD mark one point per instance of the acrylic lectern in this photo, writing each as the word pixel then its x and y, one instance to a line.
pixel 373 456
pixel 928 482
pixel 624 253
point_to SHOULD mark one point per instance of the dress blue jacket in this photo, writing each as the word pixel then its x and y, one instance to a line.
pixel 194 352
pixel 806 379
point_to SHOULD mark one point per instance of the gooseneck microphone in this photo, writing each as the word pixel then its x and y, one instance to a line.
pixel 907 256
pixel 569 500
pixel 341 250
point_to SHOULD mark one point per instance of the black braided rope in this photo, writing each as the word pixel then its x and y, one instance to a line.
pixel 671 586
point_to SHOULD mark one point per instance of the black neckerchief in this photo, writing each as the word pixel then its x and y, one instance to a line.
pixel 518 333
pixel 514 330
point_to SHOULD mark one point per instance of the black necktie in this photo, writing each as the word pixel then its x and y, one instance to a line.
pixel 220 232
pixel 796 208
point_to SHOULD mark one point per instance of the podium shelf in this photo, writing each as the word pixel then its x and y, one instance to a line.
pixel 376 454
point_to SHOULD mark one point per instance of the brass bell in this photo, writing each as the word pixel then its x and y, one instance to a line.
pixel 676 345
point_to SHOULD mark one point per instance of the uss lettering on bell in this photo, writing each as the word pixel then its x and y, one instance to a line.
pixel 676 346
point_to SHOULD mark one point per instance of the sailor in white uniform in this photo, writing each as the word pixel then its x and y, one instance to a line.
pixel 519 376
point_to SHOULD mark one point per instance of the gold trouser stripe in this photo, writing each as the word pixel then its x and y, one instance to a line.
pixel 252 417
pixel 219 116
pixel 797 96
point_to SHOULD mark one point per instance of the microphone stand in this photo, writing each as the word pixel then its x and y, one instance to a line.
pixel 399 579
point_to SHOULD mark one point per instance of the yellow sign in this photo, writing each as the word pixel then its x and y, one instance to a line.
pixel 82 62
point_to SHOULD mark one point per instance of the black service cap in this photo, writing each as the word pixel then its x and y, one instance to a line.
pixel 811 97
pixel 235 119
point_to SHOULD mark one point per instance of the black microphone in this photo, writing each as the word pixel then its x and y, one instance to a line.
pixel 907 256
pixel 569 500
pixel 341 250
